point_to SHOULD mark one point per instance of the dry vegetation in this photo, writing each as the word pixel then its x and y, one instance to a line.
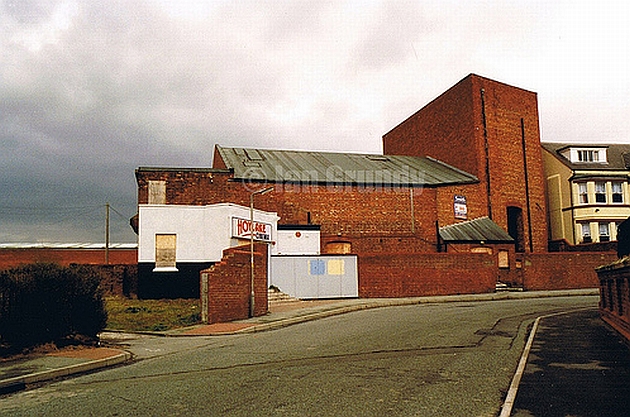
pixel 151 315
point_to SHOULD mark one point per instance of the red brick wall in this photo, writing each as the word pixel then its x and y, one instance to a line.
pixel 422 274
pixel 229 284
pixel 118 280
pixel 475 202
pixel 10 258
pixel 372 219
pixel 451 129
pixel 563 270
pixel 446 129
pixel 614 304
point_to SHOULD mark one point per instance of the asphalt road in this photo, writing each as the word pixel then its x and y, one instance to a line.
pixel 583 372
pixel 454 359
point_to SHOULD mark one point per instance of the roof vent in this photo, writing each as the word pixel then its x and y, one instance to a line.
pixel 253 155
pixel 378 158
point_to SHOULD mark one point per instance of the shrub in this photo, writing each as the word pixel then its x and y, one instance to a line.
pixel 41 303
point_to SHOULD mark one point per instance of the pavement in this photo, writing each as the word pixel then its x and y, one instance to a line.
pixel 547 370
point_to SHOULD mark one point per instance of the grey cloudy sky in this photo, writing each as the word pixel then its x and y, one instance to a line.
pixel 92 89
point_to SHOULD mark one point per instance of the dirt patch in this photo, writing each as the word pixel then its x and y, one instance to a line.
pixel 86 353
pixel 217 328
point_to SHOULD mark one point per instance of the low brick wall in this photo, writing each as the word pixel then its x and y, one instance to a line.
pixel 563 270
pixel 118 280
pixel 229 285
pixel 614 304
pixel 415 275
pixel 12 257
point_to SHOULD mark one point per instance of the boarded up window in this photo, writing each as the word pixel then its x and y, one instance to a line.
pixel 504 259
pixel 157 192
pixel 317 267
pixel 165 251
pixel 482 249
pixel 339 247
pixel 336 267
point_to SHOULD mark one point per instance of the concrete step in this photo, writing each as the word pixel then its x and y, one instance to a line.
pixel 503 287
pixel 276 296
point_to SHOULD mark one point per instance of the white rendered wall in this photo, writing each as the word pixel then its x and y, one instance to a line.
pixel 297 242
pixel 203 232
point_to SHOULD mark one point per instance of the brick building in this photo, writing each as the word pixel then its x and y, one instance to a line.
pixel 360 203
pixel 490 130
pixel 454 204
pixel 13 255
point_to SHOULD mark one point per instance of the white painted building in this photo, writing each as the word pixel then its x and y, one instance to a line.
pixel 297 240
pixel 176 242
pixel 198 234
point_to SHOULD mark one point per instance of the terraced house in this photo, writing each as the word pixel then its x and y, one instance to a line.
pixel 588 190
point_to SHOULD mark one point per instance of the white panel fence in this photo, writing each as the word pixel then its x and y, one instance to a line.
pixel 311 277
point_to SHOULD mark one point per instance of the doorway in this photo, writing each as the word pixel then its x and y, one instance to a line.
pixel 516 228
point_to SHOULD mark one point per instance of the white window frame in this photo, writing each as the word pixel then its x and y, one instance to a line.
pixel 604 231
pixel 599 191
pixel 618 192
pixel 588 155
pixel 586 232
pixel 582 192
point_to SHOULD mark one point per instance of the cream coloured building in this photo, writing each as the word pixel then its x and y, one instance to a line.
pixel 587 188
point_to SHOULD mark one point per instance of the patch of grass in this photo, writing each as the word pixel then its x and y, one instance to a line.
pixel 151 315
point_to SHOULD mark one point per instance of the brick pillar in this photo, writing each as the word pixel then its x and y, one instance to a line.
pixel 227 285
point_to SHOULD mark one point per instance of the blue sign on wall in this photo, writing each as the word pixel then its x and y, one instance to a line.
pixel 318 267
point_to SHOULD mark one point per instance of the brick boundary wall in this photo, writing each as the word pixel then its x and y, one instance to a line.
pixel 118 280
pixel 563 270
pixel 614 303
pixel 12 257
pixel 229 284
pixel 415 275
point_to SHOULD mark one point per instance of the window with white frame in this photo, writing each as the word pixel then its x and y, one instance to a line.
pixel 600 192
pixel 586 232
pixel 583 193
pixel 617 192
pixel 165 252
pixel 604 232
pixel 588 155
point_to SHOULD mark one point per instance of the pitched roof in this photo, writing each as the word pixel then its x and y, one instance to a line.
pixel 339 168
pixel 477 230
pixel 618 155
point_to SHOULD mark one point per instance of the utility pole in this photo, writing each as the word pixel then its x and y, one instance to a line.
pixel 107 234
pixel 252 295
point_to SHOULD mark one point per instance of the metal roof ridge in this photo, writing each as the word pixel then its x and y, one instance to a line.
pixel 476 219
pixel 325 152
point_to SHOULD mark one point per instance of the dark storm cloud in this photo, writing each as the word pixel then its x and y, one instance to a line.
pixel 92 89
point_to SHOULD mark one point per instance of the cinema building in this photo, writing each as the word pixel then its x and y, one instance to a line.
pixel 455 204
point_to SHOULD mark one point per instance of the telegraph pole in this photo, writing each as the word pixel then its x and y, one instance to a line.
pixel 107 234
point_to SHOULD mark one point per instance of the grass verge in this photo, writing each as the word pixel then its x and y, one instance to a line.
pixel 151 315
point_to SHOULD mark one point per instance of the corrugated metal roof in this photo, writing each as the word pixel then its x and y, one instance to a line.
pixel 477 230
pixel 340 168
